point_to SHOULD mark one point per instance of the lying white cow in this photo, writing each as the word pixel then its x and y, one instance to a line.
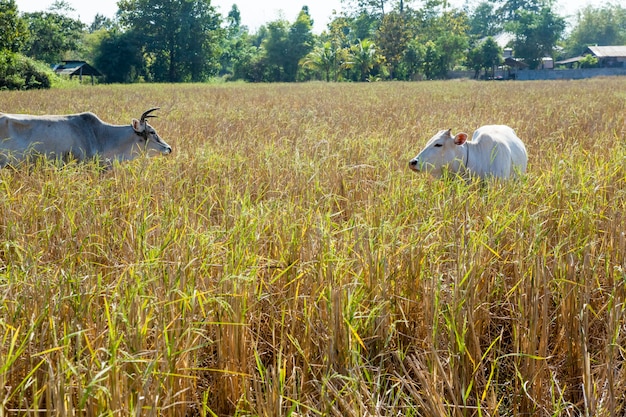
pixel 76 136
pixel 494 151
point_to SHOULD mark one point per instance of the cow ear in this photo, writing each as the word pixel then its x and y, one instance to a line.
pixel 460 138
pixel 138 126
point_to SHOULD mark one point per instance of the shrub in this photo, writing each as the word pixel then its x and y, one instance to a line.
pixel 18 72
pixel 589 61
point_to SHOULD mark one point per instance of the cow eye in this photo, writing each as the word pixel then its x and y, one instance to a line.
pixel 438 145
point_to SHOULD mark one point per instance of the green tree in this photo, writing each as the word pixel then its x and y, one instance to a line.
pixel 13 32
pixel 448 31
pixel 285 45
pixel 119 57
pixel 605 25
pixel 536 35
pixel 413 59
pixel 485 56
pixel 509 10
pixel 233 19
pixel 300 42
pixel 433 66
pixel 242 57
pixel 200 37
pixel 102 22
pixel 181 37
pixel 484 21
pixel 236 44
pixel 376 8
pixel 392 38
pixel 275 50
pixel 322 59
pixel 363 26
pixel 53 35
pixel 364 57
pixel 100 30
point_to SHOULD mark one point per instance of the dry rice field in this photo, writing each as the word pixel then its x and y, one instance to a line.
pixel 284 261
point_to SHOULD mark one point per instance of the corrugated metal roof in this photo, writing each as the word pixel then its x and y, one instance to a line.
pixel 512 62
pixel 76 68
pixel 616 51
pixel 570 60
pixel 502 39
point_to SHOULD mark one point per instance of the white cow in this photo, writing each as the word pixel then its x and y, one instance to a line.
pixel 494 151
pixel 80 136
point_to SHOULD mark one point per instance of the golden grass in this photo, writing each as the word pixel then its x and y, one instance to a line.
pixel 285 261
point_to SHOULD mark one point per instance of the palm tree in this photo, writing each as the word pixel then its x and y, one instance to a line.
pixel 322 59
pixel 364 56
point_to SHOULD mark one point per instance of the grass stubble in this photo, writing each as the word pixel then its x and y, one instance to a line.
pixel 283 261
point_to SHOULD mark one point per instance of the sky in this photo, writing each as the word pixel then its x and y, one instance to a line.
pixel 255 13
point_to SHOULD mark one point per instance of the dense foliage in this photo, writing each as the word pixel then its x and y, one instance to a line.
pixel 179 39
pixel 52 35
pixel 189 41
pixel 13 32
pixel 18 72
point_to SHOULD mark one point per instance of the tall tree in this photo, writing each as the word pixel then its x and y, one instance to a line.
pixel 13 32
pixel 200 37
pixel 510 9
pixel 233 19
pixel 102 22
pixel 53 34
pixel 363 26
pixel 377 8
pixel 301 41
pixel 119 57
pixel 484 21
pixel 286 44
pixel 364 57
pixel 448 31
pixel 536 35
pixel 370 7
pixel 413 59
pixel 392 39
pixel 275 47
pixel 181 37
pixel 323 59
pixel 433 66
pixel 236 45
pixel 484 56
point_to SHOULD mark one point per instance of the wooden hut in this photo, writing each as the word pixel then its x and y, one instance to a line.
pixel 77 68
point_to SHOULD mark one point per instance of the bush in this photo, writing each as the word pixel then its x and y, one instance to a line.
pixel 589 61
pixel 18 72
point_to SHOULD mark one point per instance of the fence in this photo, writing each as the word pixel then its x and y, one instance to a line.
pixel 548 74
pixel 568 74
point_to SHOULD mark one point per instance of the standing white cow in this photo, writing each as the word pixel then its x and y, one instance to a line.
pixel 494 151
pixel 80 136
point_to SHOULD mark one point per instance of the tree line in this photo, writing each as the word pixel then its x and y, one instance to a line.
pixel 189 41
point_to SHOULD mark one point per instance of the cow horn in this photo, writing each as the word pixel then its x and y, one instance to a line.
pixel 147 114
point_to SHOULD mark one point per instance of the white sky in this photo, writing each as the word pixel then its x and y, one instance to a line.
pixel 254 13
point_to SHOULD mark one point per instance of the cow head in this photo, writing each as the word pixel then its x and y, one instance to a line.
pixel 149 140
pixel 442 152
